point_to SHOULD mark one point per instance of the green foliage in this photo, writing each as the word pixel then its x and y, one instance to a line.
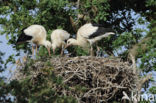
pixel 153 90
pixel 80 89
pixel 118 14
pixel 4 91
pixel 42 52
pixel 47 63
pixel 78 51
pixel 90 8
pixel 40 88
pixel 149 58
pixel 10 59
pixel 1 61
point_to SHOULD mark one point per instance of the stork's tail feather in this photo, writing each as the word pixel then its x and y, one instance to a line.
pixel 23 38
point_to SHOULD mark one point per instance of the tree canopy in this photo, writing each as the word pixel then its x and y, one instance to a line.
pixel 124 16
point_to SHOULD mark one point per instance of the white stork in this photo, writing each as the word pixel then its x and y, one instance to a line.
pixel 35 34
pixel 58 38
pixel 89 33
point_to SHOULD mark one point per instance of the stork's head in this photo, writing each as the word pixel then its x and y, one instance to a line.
pixel 71 41
pixel 53 47
pixel 47 44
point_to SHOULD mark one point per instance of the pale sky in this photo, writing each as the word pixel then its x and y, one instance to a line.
pixel 8 50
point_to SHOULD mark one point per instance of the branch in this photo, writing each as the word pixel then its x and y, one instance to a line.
pixel 133 63
pixel 143 80
pixel 134 50
pixel 94 9
pixel 78 4
pixel 73 23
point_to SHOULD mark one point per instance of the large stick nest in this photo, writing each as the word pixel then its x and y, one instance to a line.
pixel 100 79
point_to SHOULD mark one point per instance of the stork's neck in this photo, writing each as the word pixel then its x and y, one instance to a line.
pixel 54 46
pixel 75 42
pixel 45 42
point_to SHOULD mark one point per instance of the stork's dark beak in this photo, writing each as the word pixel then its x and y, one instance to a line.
pixel 67 46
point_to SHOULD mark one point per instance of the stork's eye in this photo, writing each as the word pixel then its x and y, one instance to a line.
pixel 68 42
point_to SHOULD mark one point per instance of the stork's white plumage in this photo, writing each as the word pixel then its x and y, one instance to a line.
pixel 35 34
pixel 58 38
pixel 90 33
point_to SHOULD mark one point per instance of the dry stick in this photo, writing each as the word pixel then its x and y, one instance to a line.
pixel 102 88
pixel 134 63
pixel 70 76
pixel 74 23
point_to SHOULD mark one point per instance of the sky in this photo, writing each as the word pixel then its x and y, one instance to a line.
pixel 8 50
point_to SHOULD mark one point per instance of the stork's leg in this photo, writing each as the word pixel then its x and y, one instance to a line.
pixel 32 51
pixel 98 54
pixel 36 50
pixel 92 52
pixel 53 51
pixel 49 51
pixel 62 50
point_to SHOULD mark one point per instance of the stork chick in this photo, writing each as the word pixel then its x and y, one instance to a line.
pixel 58 38
pixel 35 34
pixel 90 33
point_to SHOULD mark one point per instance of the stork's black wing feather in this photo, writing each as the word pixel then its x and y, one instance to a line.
pixel 100 31
pixel 23 38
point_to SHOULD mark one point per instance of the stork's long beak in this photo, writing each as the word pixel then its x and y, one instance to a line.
pixel 66 46
pixel 49 51
pixel 53 51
